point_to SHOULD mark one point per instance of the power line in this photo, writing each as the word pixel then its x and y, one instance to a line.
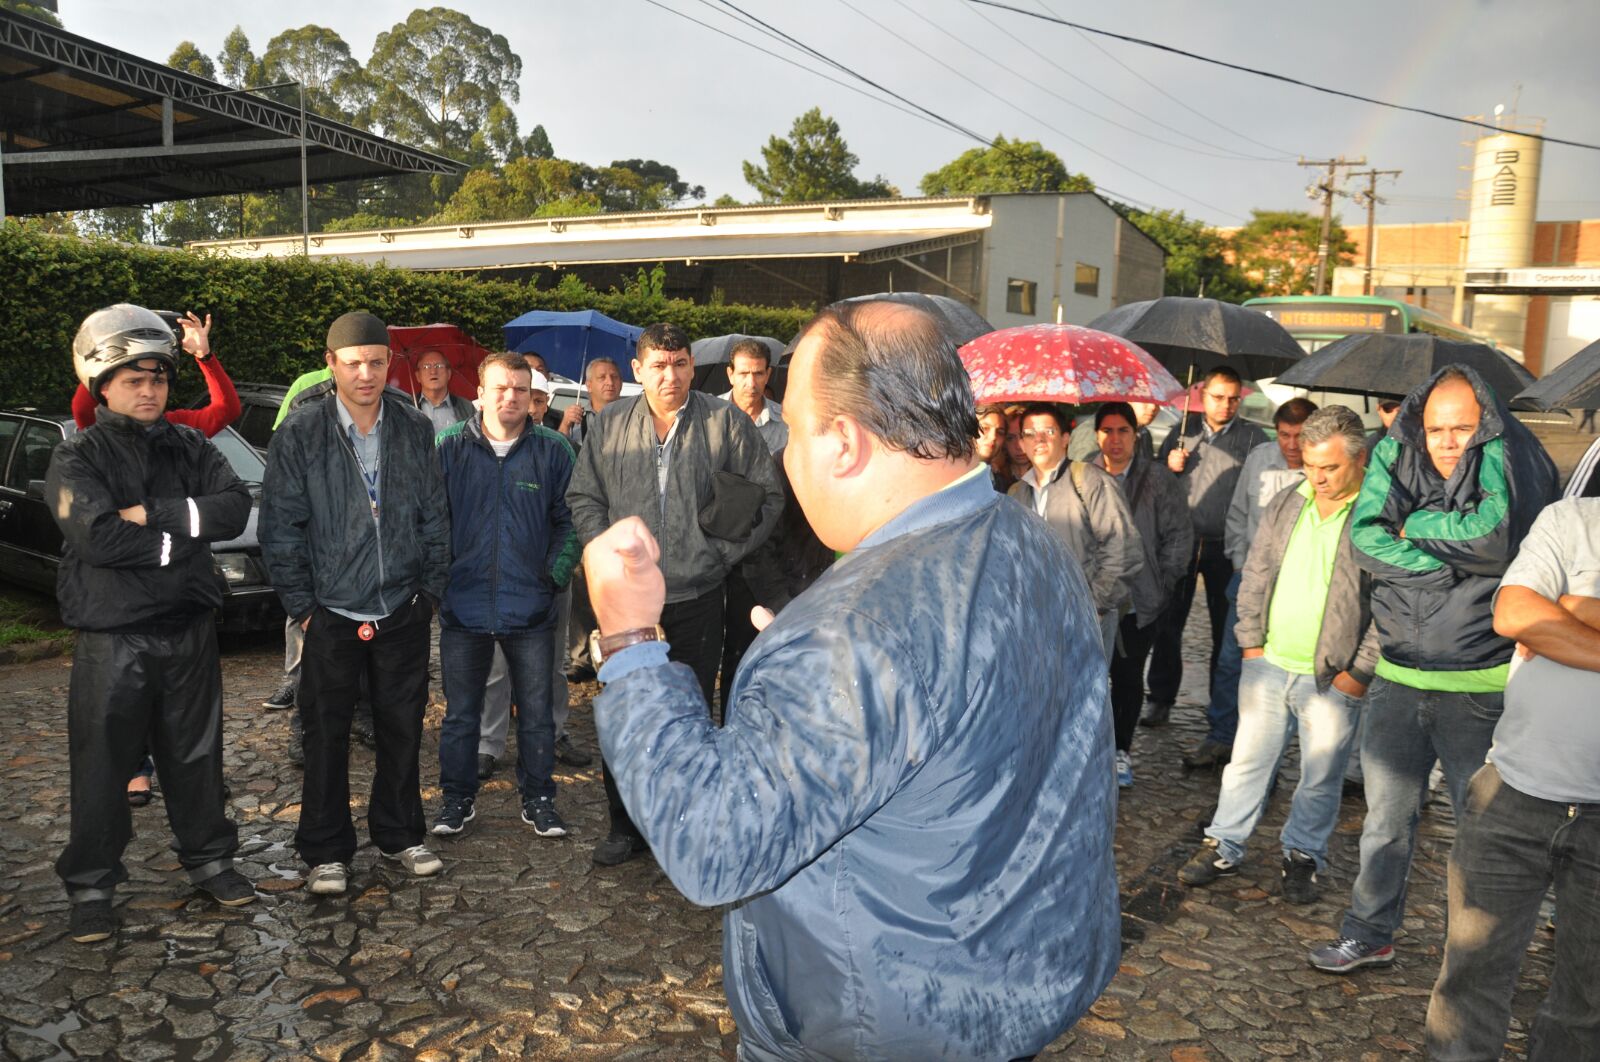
pixel 1279 77
pixel 1282 152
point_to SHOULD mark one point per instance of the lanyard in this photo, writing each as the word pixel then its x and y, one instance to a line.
pixel 368 479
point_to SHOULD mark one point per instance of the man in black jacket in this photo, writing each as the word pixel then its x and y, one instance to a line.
pixel 138 500
pixel 355 532
pixel 661 456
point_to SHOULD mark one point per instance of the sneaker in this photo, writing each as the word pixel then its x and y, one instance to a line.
pixel 284 698
pixel 1209 754
pixel 229 888
pixel 297 740
pixel 540 813
pixel 1345 954
pixel 328 879
pixel 418 860
pixel 454 815
pixel 486 765
pixel 570 754
pixel 1206 866
pixel 1124 770
pixel 1300 878
pixel 91 921
pixel 1155 713
pixel 618 848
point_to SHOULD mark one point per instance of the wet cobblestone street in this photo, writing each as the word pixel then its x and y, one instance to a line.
pixel 523 949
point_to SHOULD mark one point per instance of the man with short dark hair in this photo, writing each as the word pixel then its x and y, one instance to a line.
pixel 697 473
pixel 1305 622
pixel 913 779
pixel 1206 456
pixel 355 532
pixel 1451 492
pixel 512 549
pixel 139 500
pixel 749 369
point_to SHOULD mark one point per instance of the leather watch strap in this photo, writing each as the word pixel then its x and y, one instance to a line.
pixel 611 644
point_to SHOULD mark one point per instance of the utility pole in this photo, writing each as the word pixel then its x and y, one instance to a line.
pixel 1325 190
pixel 1370 199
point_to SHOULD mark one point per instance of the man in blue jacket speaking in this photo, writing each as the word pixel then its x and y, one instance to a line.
pixel 911 804
pixel 512 549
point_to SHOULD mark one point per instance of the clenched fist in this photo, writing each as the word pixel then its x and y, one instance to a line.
pixel 626 586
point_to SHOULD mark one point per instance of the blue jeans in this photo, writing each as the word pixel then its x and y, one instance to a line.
pixel 464 658
pixel 1510 847
pixel 1406 730
pixel 1223 712
pixel 1273 705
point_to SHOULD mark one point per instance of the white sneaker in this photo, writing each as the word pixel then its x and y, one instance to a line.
pixel 1124 770
pixel 328 879
pixel 418 860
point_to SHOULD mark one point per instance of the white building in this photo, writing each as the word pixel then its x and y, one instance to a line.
pixel 1013 258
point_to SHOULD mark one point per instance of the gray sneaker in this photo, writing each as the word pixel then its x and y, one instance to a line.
pixel 328 879
pixel 1346 954
pixel 417 860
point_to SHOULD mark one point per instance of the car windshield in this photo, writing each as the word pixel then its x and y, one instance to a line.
pixel 247 464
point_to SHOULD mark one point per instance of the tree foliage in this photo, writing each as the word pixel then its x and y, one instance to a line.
pixel 22 7
pixel 237 65
pixel 1278 248
pixel 1198 258
pixel 188 57
pixel 319 60
pixel 1005 166
pixel 812 163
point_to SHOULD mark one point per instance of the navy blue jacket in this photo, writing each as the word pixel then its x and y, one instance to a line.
pixel 911 805
pixel 512 546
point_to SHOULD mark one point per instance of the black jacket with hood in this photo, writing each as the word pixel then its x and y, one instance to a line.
pixel 1432 598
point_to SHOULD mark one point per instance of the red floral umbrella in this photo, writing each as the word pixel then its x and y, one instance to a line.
pixel 1064 363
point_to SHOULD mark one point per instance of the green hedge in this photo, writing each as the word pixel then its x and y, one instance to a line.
pixel 271 315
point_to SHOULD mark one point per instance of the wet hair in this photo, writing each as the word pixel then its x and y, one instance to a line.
pixel 509 362
pixel 1221 372
pixel 588 370
pixel 1295 411
pixel 1116 409
pixel 661 336
pixel 1048 409
pixel 541 366
pixel 751 348
pixel 1335 422
pixel 898 374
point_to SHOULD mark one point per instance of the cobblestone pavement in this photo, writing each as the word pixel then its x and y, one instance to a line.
pixel 522 948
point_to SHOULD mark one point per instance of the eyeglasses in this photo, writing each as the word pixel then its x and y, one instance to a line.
pixel 433 366
pixel 1029 434
pixel 1232 400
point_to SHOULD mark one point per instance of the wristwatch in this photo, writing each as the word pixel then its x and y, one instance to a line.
pixel 603 646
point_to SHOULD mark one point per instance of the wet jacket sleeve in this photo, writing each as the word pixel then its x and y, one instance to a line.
pixel 91 521
pixel 222 410
pixel 1482 541
pixel 433 523
pixel 564 550
pixel 1255 581
pixel 1117 543
pixel 586 494
pixel 216 512
pixel 1236 537
pixel 1375 524
pixel 1175 531
pixel 282 524
pixel 750 458
pixel 1365 665
pixel 824 729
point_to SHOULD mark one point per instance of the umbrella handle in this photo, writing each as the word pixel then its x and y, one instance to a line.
pixel 1183 426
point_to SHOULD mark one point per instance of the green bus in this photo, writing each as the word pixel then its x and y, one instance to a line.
pixel 1317 320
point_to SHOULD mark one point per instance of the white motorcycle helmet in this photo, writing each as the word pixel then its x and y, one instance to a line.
pixel 119 335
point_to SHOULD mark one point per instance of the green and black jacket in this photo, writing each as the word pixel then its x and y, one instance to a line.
pixel 1432 598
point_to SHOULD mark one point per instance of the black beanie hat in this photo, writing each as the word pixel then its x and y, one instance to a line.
pixel 357 329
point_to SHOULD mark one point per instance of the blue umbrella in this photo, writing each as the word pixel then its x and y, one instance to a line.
pixel 570 341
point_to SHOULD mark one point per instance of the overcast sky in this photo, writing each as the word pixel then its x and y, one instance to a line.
pixel 613 79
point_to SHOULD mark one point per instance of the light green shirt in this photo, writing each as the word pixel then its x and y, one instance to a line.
pixel 1483 680
pixel 1294 618
pixel 301 382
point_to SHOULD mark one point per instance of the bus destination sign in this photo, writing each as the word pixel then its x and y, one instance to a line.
pixel 1340 319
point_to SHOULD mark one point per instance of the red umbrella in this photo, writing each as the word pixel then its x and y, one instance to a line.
pixel 1064 363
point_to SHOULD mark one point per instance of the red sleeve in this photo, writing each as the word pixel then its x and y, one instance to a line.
pixel 222 410
pixel 82 407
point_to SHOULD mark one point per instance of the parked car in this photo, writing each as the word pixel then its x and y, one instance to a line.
pixel 30 540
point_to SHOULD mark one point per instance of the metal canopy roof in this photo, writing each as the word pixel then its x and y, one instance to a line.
pixel 83 125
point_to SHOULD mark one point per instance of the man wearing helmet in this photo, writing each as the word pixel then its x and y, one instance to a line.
pixel 138 500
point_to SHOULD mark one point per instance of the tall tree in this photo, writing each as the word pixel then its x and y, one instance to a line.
pixel 522 188
pixel 440 73
pixel 812 163
pixel 1198 256
pixel 320 60
pixel 653 172
pixel 191 60
pixel 537 144
pixel 1278 248
pixel 1005 166
pixel 237 65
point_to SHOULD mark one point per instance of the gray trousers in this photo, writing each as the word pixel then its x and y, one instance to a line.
pixel 497 694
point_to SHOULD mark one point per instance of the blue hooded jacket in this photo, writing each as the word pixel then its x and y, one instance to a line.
pixel 911 805
pixel 512 546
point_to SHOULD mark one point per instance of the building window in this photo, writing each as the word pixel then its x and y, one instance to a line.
pixel 1021 296
pixel 1086 279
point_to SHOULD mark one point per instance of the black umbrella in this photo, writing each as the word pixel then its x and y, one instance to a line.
pixel 959 321
pixel 1193 336
pixel 1392 366
pixel 1574 384
pixel 711 358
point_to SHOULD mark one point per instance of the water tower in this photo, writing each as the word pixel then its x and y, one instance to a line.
pixel 1500 224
